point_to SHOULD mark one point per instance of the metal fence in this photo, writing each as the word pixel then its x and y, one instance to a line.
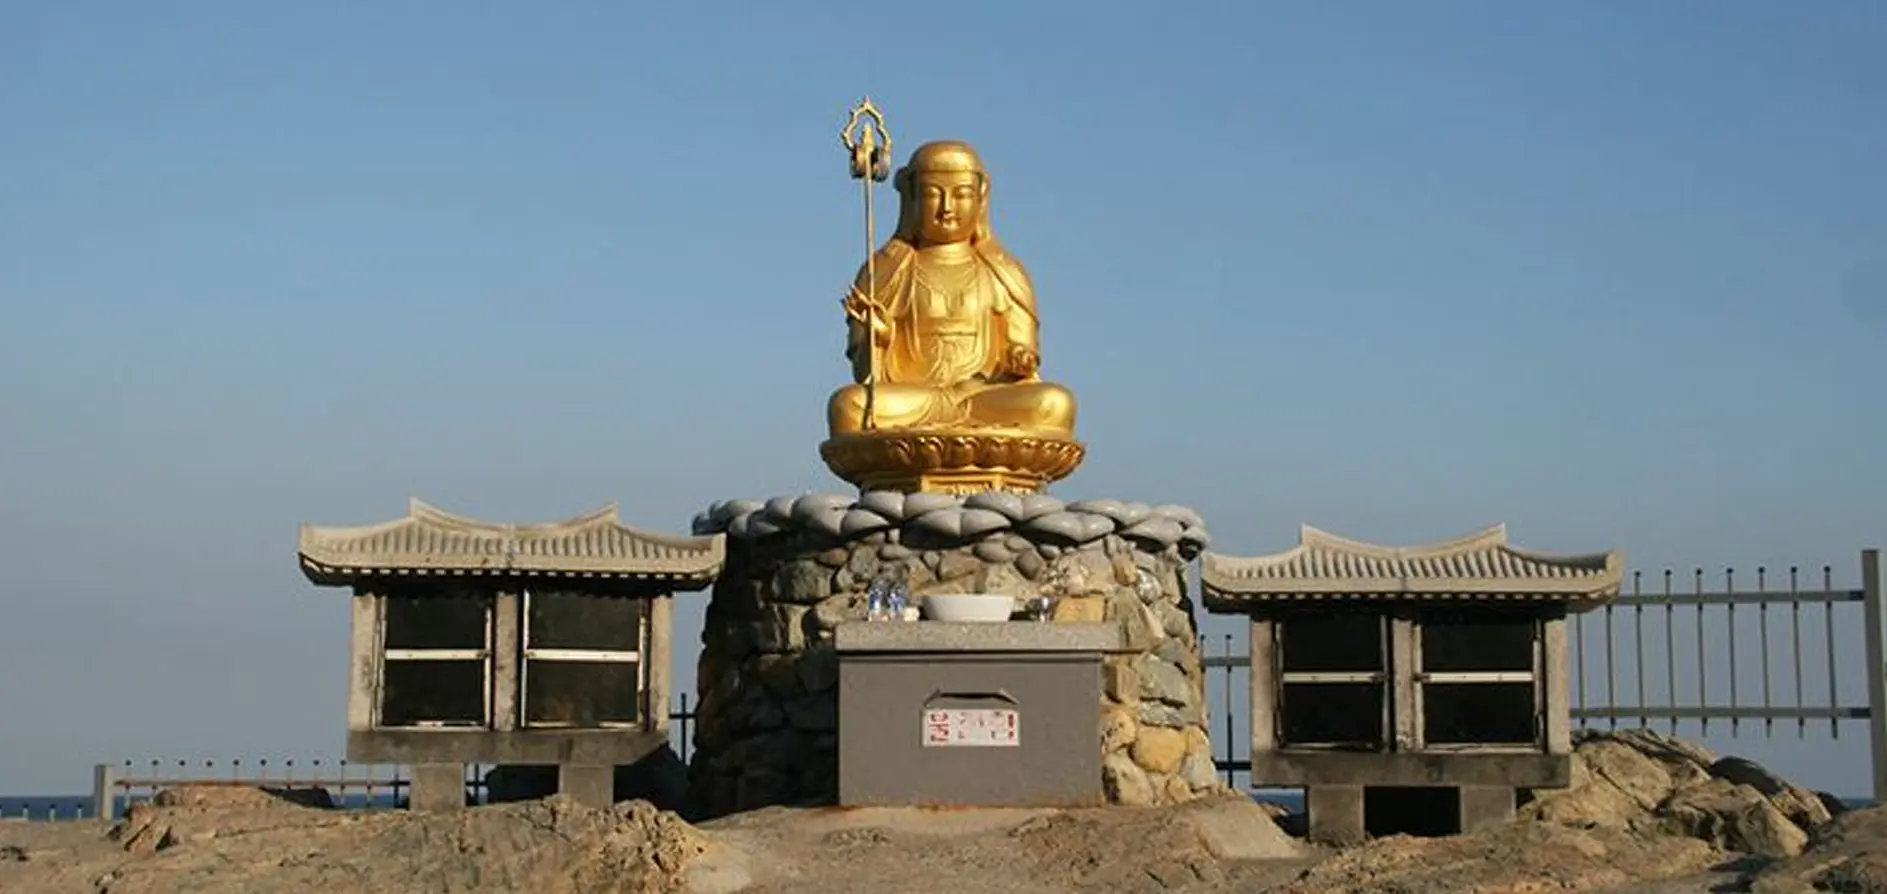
pixel 1745 647
pixel 332 783
pixel 337 783
pixel 1728 637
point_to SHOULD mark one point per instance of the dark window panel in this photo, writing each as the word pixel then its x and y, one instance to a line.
pixel 425 621
pixel 415 692
pixel 566 620
pixel 1478 714
pixel 1478 641
pixel 1332 642
pixel 581 693
pixel 1332 714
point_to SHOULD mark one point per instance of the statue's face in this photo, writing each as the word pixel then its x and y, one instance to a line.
pixel 949 203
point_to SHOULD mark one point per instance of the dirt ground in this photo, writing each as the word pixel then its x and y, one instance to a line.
pixel 253 843
pixel 261 845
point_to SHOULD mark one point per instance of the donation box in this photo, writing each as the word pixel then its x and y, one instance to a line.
pixel 1001 714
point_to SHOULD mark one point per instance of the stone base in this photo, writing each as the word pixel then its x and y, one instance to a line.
pixel 1335 814
pixel 767 727
pixel 592 785
pixel 1485 806
pixel 950 463
pixel 890 674
pixel 436 788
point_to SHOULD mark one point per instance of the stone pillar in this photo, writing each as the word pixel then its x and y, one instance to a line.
pixel 1335 814
pixel 437 788
pixel 1485 806
pixel 105 780
pixel 593 785
pixel 363 660
pixel 766 728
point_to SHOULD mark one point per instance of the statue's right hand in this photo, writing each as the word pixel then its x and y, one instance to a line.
pixel 858 306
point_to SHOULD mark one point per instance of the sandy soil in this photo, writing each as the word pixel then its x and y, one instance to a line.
pixel 242 840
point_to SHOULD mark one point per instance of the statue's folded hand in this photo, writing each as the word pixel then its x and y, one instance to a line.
pixel 1022 362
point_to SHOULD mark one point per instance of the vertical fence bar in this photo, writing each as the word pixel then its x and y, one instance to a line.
pixel 1795 637
pixel 1611 670
pixel 687 740
pixel 1828 626
pixel 1226 684
pixel 1762 638
pixel 1579 662
pixel 1670 649
pixel 1703 685
pixel 1638 644
pixel 1729 626
pixel 1876 670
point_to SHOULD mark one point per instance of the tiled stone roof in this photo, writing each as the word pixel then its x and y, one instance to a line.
pixel 429 541
pixel 1481 567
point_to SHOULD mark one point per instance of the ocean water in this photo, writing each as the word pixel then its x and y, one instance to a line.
pixel 76 807
pixel 79 807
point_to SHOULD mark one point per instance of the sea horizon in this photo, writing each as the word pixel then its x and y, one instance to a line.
pixel 64 808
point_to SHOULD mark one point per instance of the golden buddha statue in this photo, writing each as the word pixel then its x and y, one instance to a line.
pixel 942 336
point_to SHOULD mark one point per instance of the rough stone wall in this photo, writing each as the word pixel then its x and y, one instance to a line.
pixel 766 730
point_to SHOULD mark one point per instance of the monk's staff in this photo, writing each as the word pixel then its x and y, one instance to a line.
pixel 865 136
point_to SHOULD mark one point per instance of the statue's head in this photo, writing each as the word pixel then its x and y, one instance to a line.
pixel 943 195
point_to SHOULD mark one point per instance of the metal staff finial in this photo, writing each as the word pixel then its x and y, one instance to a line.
pixel 869 142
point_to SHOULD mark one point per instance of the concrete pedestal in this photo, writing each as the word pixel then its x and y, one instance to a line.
pixel 593 785
pixel 1486 806
pixel 983 715
pixel 437 788
pixel 1335 814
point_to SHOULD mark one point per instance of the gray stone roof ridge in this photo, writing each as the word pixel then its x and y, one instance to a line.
pixel 1481 562
pixel 429 540
pixel 957 518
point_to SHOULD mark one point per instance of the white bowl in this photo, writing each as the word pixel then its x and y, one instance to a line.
pixel 969 606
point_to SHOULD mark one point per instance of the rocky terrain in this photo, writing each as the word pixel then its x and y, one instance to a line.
pixel 1644 814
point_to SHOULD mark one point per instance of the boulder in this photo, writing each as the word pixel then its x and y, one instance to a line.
pixel 1643 781
pixel 1803 807
pixel 1847 854
pixel 1735 818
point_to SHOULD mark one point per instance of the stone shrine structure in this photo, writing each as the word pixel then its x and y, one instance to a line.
pixel 799 567
pixel 475 642
pixel 1399 685
pixel 950 433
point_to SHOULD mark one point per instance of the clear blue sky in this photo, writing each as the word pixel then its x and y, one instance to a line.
pixel 1614 273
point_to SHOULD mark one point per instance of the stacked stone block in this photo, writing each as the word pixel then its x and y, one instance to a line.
pixel 766 730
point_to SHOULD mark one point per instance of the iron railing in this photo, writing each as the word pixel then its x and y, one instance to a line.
pixel 1719 627
pixel 1703 629
pixel 1731 635
pixel 116 786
